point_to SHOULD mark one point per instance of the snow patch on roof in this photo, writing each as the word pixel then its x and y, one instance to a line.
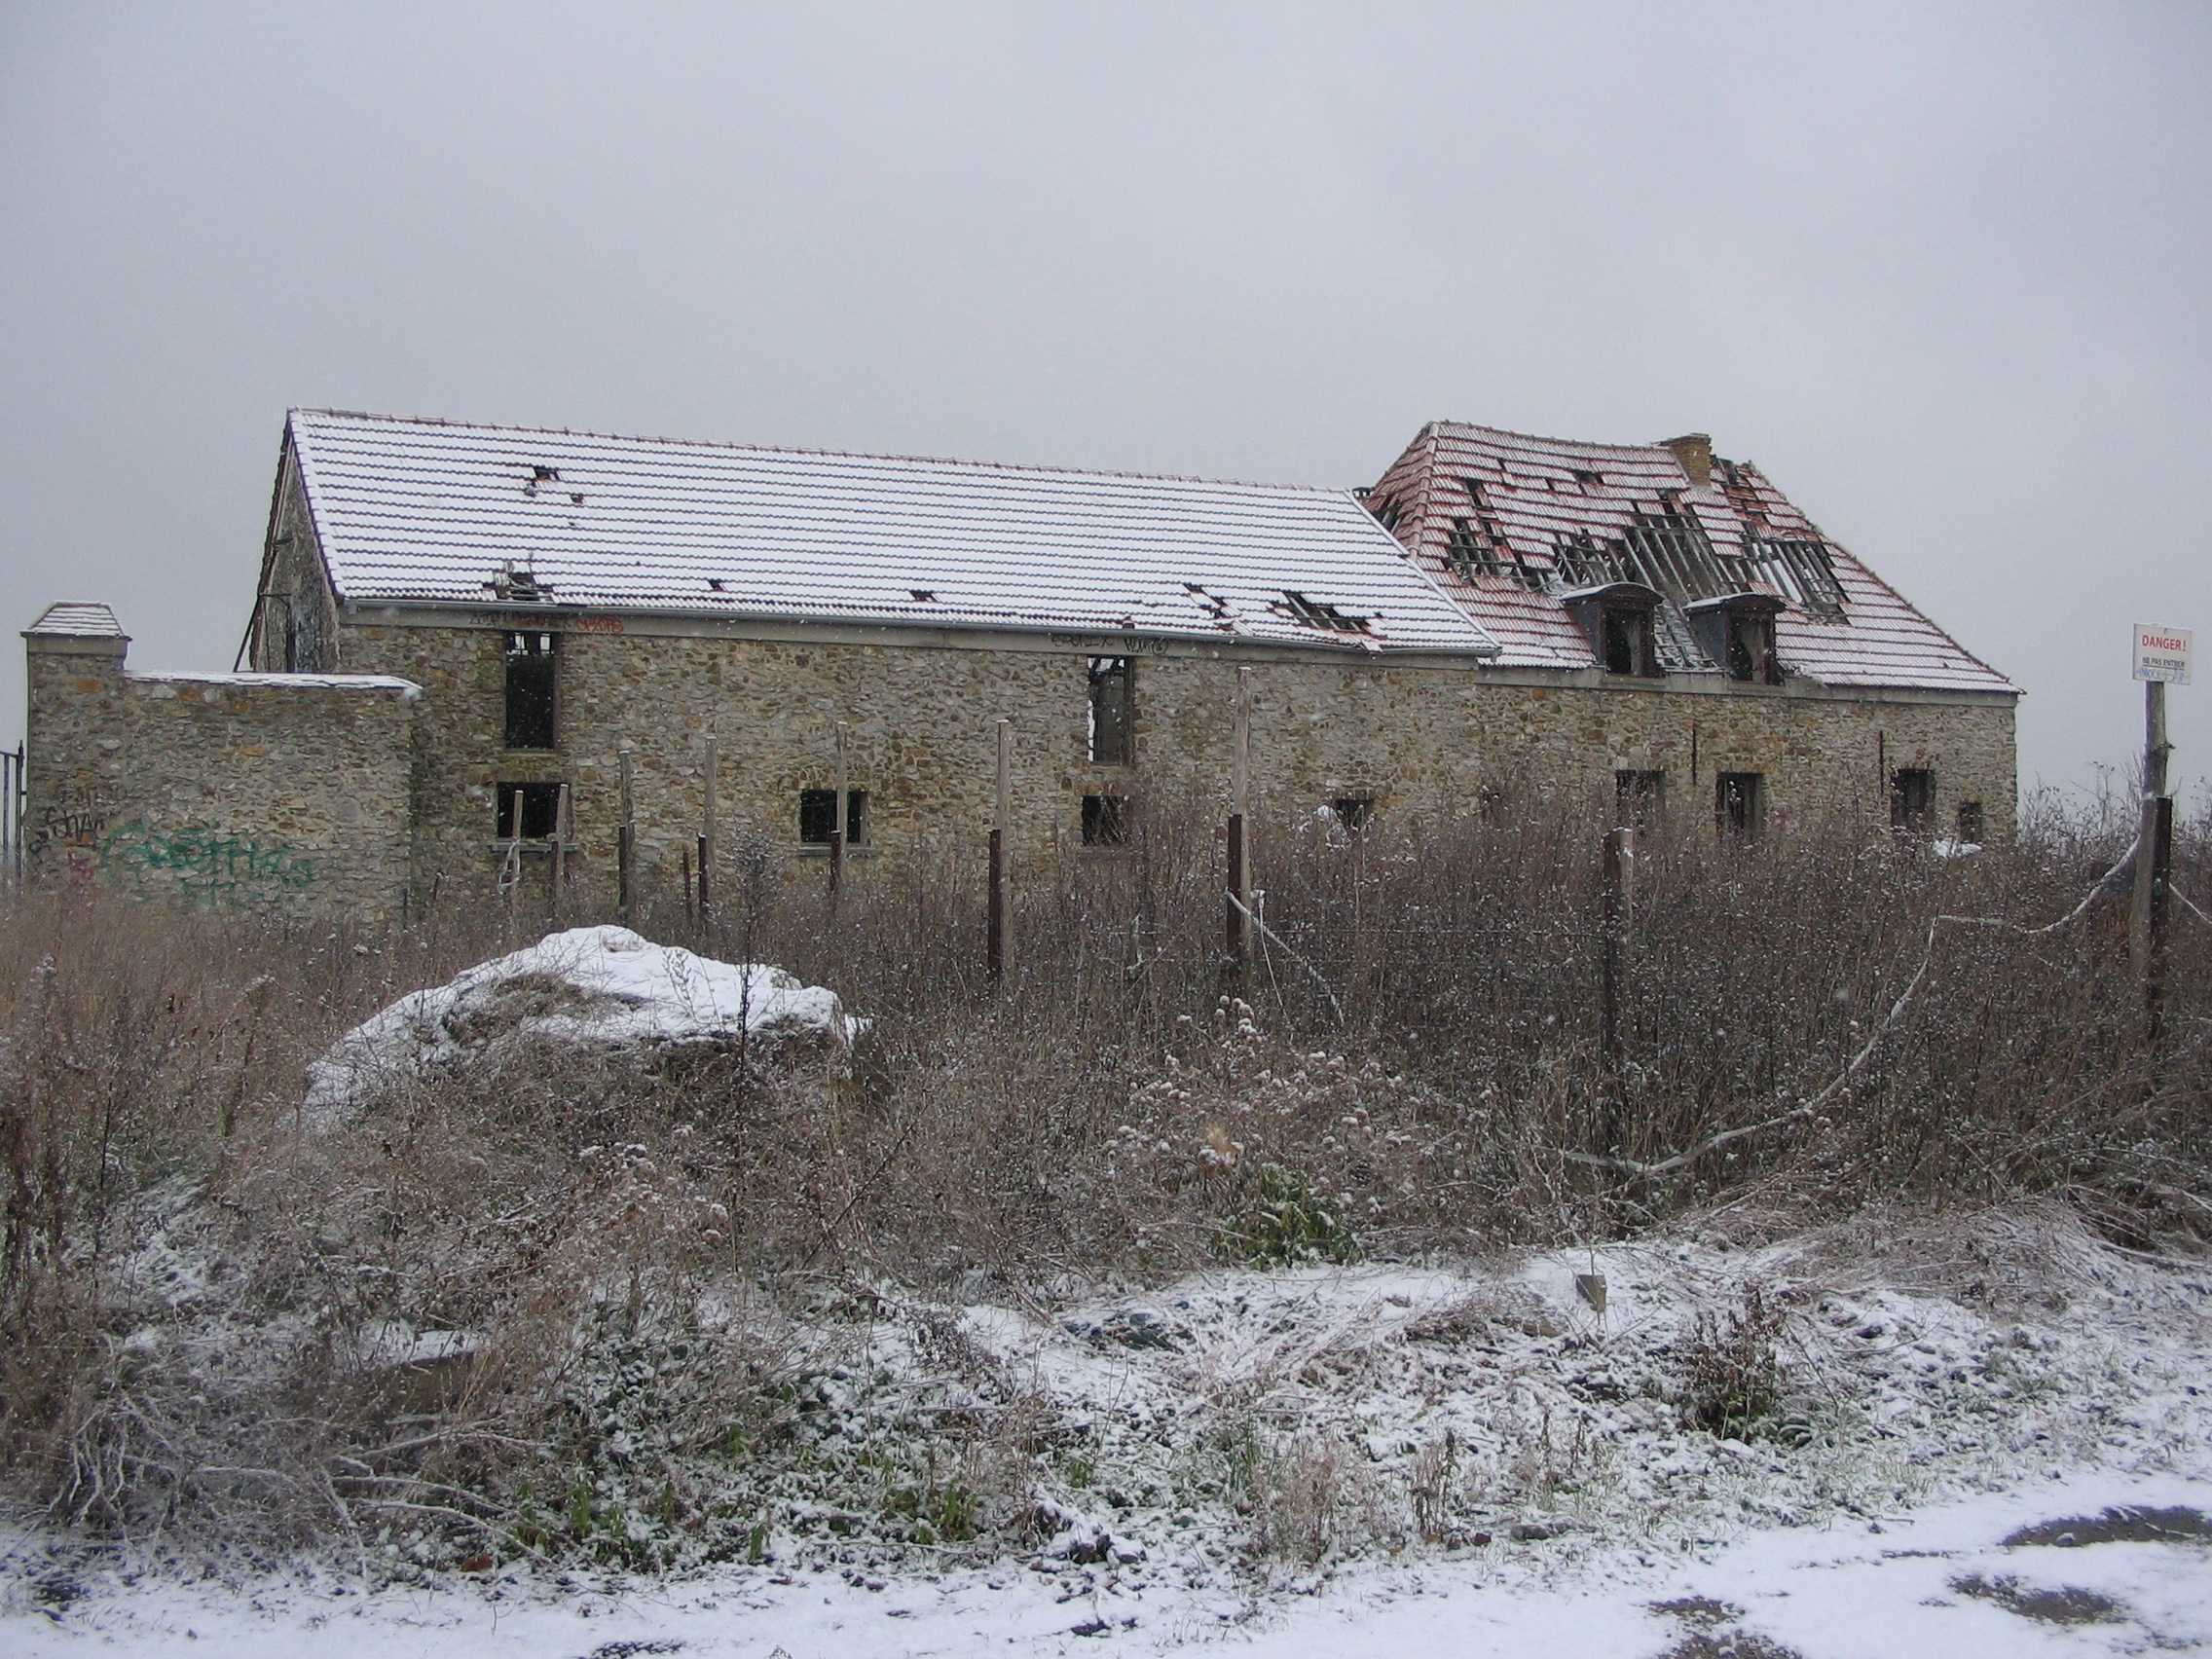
pixel 438 512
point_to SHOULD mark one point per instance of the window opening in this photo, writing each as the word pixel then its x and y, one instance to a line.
pixel 529 690
pixel 540 811
pixel 1971 821
pixel 1622 632
pixel 1466 551
pixel 1738 805
pixel 1106 821
pixel 1638 798
pixel 1913 800
pixel 1112 712
pixel 818 817
pixel 1354 811
pixel 1750 651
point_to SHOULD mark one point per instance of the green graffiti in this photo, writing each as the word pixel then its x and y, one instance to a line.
pixel 209 863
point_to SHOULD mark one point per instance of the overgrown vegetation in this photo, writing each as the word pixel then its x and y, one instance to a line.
pixel 521 1314
pixel 1735 1377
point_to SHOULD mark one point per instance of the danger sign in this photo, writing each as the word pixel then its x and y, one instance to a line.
pixel 2162 654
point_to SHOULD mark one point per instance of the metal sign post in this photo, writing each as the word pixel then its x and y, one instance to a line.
pixel 2162 659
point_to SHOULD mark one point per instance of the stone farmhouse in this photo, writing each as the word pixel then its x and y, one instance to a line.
pixel 451 622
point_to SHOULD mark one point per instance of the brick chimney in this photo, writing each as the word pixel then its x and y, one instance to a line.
pixel 1694 452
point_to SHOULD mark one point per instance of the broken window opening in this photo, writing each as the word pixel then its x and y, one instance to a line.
pixel 1317 613
pixel 1913 800
pixel 1589 480
pixel 818 817
pixel 1738 805
pixel 1107 821
pixel 1639 798
pixel 531 690
pixel 1623 639
pixel 1388 512
pixel 540 811
pixel 1353 812
pixel 1468 556
pixel 1750 651
pixel 1971 823
pixel 1112 712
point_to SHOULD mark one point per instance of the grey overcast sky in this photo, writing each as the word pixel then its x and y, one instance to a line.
pixel 1941 270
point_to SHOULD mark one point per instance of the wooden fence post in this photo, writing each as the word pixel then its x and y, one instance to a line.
pixel 1617 910
pixel 560 847
pixel 510 864
pixel 997 945
pixel 706 837
pixel 837 824
pixel 1617 902
pixel 625 844
pixel 1239 921
pixel 2154 863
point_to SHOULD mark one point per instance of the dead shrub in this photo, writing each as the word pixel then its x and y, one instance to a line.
pixel 1734 1382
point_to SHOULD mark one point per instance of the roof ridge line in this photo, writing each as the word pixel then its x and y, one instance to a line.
pixel 802 450
pixel 1571 443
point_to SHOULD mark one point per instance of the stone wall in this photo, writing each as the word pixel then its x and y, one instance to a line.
pixel 288 793
pixel 295 627
pixel 1428 740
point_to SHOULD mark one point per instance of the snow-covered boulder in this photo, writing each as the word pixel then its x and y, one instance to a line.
pixel 601 988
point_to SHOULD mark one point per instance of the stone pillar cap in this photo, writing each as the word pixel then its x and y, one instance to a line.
pixel 78 625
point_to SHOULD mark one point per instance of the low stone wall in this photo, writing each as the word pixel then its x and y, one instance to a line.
pixel 289 793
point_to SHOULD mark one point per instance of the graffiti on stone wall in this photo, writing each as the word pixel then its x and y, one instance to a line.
pixel 209 865
pixel 69 835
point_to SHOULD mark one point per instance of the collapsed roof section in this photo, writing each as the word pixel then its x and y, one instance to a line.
pixel 1514 527
pixel 435 512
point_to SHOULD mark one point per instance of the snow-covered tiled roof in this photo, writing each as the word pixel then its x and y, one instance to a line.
pixel 1510 524
pixel 434 511
pixel 83 620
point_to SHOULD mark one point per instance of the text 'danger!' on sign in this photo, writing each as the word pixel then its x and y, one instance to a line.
pixel 2162 654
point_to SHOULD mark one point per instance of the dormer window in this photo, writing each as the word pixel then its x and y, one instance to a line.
pixel 1736 633
pixel 1617 621
pixel 1624 639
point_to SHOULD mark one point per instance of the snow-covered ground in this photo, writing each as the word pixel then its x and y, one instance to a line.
pixel 1450 1457
pixel 1942 1583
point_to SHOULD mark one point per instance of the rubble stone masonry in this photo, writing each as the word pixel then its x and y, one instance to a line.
pixel 1422 741
pixel 287 794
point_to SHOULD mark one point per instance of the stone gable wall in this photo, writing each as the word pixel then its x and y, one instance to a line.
pixel 1420 741
pixel 294 797
pixel 294 575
